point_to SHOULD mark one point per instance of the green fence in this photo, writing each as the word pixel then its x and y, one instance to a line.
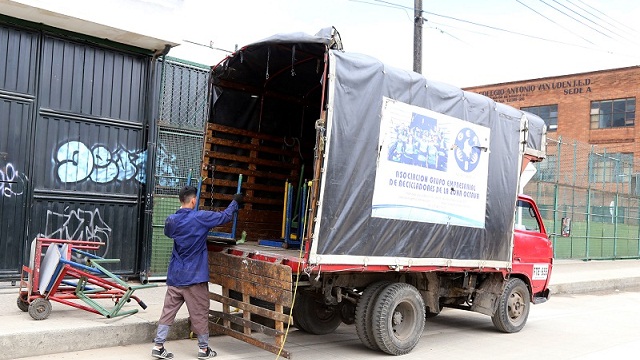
pixel 182 115
pixel 596 188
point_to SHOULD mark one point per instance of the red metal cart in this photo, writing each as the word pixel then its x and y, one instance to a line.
pixel 56 276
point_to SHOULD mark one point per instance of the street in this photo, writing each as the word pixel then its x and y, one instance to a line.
pixel 566 327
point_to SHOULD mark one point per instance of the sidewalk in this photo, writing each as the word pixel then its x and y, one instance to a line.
pixel 70 329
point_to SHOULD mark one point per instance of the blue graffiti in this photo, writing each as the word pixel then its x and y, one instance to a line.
pixel 76 162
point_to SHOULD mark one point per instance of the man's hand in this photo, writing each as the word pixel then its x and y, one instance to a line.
pixel 239 198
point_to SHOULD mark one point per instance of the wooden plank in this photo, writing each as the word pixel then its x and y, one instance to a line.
pixel 209 155
pixel 250 340
pixel 253 289
pixel 246 275
pixel 235 170
pixel 248 200
pixel 242 132
pixel 252 147
pixel 245 185
pixel 247 323
pixel 260 268
pixel 254 309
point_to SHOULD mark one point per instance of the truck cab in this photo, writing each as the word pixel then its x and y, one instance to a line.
pixel 532 249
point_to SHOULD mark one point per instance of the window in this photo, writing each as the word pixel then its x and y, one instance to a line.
pixel 548 113
pixel 526 218
pixel 613 113
pixel 610 168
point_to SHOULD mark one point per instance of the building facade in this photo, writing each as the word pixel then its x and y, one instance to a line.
pixel 595 108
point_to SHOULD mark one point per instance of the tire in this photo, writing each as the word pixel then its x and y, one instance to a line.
pixel 314 316
pixel 22 303
pixel 40 309
pixel 348 312
pixel 513 307
pixel 364 309
pixel 399 319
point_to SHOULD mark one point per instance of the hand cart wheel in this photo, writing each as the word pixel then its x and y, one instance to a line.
pixel 39 309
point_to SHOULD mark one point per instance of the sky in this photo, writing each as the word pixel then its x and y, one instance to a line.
pixel 465 42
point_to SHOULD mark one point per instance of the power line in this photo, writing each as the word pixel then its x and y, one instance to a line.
pixel 532 9
pixel 571 17
pixel 608 16
pixel 392 6
pixel 510 31
pixel 584 17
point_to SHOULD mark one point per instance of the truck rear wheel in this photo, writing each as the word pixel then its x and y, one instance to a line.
pixel 364 311
pixel 513 307
pixel 314 316
pixel 398 319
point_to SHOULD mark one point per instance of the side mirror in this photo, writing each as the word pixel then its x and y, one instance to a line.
pixel 566 227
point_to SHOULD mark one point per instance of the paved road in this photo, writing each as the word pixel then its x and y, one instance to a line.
pixel 597 326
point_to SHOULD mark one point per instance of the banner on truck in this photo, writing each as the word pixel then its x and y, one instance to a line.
pixel 431 167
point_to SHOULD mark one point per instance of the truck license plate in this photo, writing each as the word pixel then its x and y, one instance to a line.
pixel 540 271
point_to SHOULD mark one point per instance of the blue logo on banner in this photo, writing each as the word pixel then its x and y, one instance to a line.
pixel 467 150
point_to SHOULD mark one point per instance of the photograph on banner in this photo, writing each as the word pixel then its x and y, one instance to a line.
pixel 431 167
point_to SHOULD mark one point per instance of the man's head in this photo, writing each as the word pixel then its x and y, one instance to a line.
pixel 187 196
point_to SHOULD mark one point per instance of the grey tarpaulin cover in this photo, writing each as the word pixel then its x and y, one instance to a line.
pixel 347 227
pixel 347 232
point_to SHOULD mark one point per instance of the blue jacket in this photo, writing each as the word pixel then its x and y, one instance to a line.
pixel 189 229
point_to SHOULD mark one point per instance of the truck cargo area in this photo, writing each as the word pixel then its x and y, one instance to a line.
pixel 266 101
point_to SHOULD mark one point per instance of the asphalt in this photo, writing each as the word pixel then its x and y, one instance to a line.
pixel 70 329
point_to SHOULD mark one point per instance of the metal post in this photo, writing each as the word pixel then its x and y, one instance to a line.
pixel 417 36
pixel 615 226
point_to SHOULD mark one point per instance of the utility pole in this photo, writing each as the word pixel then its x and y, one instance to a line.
pixel 417 36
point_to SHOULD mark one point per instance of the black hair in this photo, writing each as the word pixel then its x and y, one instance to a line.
pixel 186 193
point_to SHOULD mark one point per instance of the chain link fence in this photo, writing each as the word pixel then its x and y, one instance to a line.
pixel 595 189
pixel 182 117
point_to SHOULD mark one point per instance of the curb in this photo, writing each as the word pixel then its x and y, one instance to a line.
pixel 585 287
pixel 48 342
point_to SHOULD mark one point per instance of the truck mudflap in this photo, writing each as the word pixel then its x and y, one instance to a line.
pixel 264 289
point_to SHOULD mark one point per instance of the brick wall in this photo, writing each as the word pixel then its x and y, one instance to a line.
pixel 573 94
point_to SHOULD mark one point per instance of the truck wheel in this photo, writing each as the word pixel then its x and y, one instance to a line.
pixel 40 308
pixel 398 320
pixel 513 307
pixel 315 317
pixel 364 311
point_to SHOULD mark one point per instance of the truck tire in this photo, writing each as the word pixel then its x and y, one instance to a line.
pixel 315 317
pixel 364 309
pixel 399 318
pixel 513 307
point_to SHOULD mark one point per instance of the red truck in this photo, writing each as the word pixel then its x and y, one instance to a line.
pixel 374 197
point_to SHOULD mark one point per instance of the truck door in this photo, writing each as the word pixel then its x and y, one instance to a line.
pixel 532 250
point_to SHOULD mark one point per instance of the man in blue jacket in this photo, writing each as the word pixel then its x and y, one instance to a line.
pixel 188 273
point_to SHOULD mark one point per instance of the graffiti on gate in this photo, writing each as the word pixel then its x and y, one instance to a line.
pixel 78 224
pixel 76 162
pixel 12 182
pixel 165 167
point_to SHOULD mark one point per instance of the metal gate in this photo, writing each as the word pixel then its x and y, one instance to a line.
pixel 73 163
pixel 183 111
pixel 17 96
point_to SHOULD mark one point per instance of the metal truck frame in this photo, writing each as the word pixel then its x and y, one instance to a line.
pixel 293 100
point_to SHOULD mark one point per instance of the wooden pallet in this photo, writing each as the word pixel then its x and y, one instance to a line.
pixel 264 161
pixel 269 282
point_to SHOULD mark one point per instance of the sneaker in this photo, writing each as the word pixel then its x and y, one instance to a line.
pixel 161 353
pixel 206 354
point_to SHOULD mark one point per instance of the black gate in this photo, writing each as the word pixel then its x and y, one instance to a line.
pixel 73 163
pixel 18 50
